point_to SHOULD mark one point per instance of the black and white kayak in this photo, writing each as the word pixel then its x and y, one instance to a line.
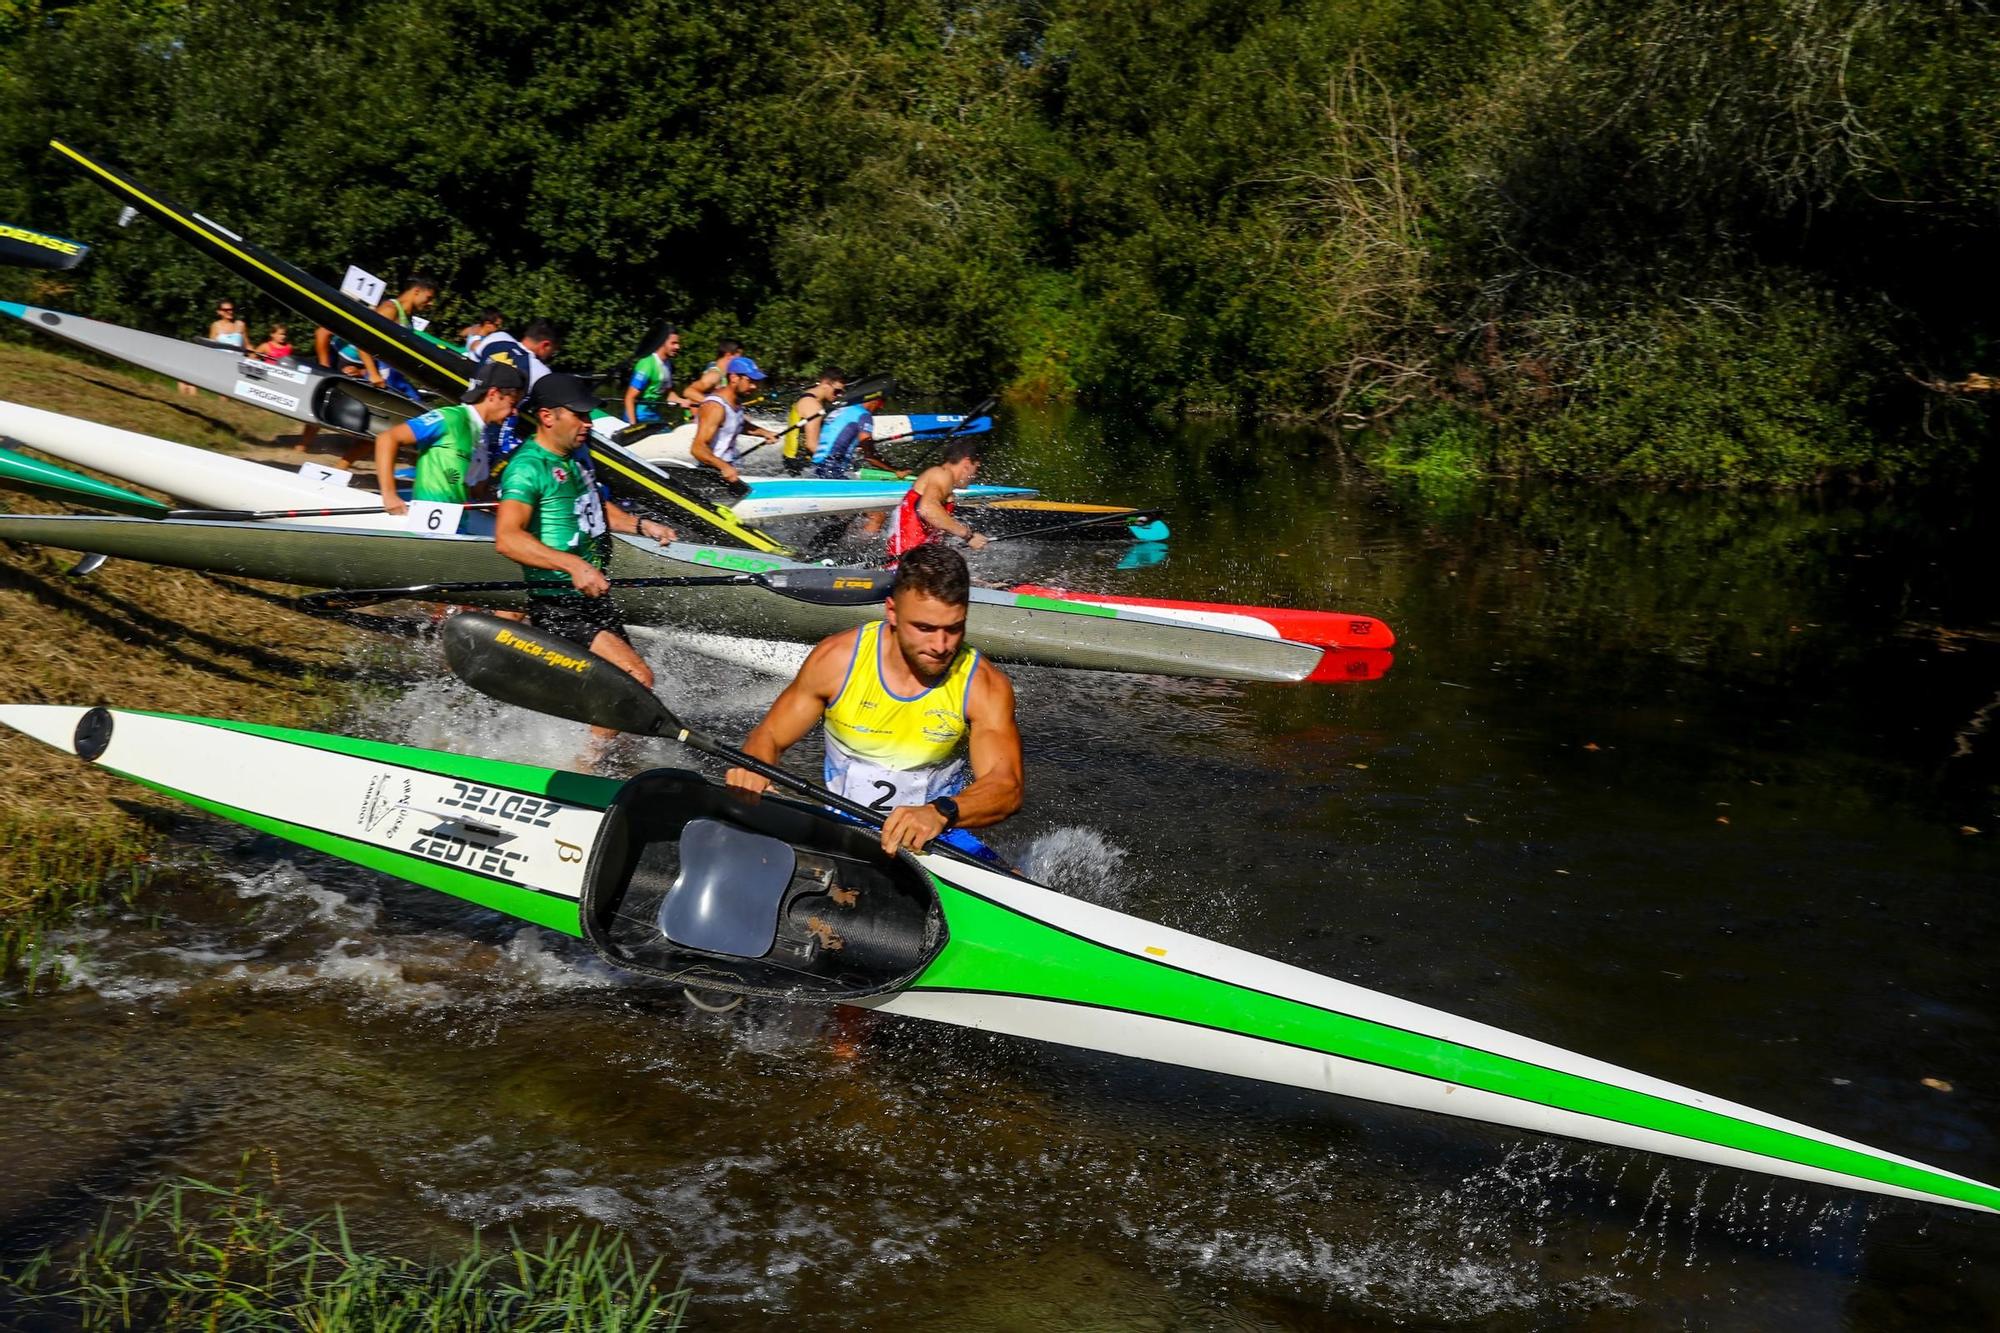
pixel 673 877
pixel 299 390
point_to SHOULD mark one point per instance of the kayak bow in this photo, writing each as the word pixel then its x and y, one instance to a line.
pixel 671 876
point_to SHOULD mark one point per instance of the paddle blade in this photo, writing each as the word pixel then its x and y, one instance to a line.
pixel 1149 530
pixel 38 249
pixel 830 587
pixel 518 664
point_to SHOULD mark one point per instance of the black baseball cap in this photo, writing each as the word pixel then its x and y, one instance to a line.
pixel 558 389
pixel 493 375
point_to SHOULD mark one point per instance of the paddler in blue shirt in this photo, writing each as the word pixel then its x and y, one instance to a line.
pixel 847 442
pixel 918 724
pixel 718 418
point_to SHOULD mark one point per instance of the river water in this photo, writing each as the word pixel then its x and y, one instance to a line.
pixel 1700 784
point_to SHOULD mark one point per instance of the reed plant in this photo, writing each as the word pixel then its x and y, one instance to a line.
pixel 193 1255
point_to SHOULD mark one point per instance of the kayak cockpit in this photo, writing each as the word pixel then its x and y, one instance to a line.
pixel 707 887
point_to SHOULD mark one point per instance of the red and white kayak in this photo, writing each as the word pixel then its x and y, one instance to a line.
pixel 1327 629
pixel 1357 646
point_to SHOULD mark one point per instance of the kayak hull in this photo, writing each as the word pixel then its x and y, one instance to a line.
pixel 301 391
pixel 1328 629
pixel 1006 626
pixel 1010 956
pixel 200 477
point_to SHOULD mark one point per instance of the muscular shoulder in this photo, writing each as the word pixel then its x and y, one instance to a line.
pixel 992 694
pixel 825 668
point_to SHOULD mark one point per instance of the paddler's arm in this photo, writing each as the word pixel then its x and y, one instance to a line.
pixel 866 455
pixel 373 371
pixel 799 709
pixel 398 436
pixel 702 386
pixel 809 429
pixel 632 389
pixel 621 519
pixel 930 506
pixel 512 539
pixel 704 431
pixel 995 750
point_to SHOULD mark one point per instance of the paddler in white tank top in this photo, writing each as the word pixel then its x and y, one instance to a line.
pixel 917 722
pixel 719 418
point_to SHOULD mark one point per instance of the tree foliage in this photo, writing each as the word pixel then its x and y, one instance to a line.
pixel 1699 240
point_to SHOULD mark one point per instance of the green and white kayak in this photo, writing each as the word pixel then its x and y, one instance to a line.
pixel 672 877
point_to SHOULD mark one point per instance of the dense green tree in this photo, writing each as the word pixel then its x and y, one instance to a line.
pixel 1673 240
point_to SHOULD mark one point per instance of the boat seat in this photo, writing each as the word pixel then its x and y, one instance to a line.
pixel 731 885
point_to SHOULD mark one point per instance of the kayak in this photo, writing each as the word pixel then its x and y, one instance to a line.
pixel 198 476
pixel 1328 629
pixel 360 551
pixel 218 481
pixel 18 472
pixel 672 877
pixel 433 367
pixel 299 390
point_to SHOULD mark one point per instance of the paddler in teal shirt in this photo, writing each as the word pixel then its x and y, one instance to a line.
pixel 555 525
pixel 451 442
pixel 652 382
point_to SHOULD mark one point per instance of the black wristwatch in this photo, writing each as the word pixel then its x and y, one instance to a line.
pixel 947 807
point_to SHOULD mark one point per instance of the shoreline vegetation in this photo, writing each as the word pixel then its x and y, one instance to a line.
pixel 196 1257
pixel 131 634
pixel 1673 242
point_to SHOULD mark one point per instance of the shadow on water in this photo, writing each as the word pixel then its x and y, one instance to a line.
pixel 1698 784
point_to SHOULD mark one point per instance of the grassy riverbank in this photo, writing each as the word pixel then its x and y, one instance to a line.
pixel 135 636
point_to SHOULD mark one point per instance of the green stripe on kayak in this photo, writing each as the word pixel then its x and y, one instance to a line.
pixel 1058 604
pixel 993 949
pixel 557 784
pixel 22 473
pixel 547 910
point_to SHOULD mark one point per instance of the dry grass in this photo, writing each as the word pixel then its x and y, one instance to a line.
pixel 134 636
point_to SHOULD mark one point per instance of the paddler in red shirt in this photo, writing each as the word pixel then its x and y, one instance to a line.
pixel 927 510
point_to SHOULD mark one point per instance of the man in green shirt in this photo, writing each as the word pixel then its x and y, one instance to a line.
pixel 451 444
pixel 652 382
pixel 554 524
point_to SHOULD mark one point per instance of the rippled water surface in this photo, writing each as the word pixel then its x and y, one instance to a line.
pixel 1703 785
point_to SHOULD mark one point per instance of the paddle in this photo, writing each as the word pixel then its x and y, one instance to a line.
pixel 520 665
pixel 1148 522
pixel 38 249
pixel 986 404
pixel 821 587
pixel 250 515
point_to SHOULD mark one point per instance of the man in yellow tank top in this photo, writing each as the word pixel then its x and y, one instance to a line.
pixel 918 724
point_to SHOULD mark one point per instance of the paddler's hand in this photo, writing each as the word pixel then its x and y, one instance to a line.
pixel 911 826
pixel 976 541
pixel 729 474
pixel 658 531
pixel 393 503
pixel 744 780
pixel 589 580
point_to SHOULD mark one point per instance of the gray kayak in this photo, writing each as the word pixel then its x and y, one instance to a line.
pixel 1007 626
pixel 300 390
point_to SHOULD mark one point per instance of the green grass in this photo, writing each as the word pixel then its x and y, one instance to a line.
pixel 223 1259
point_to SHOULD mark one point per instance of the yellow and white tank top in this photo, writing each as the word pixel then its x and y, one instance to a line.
pixel 884 750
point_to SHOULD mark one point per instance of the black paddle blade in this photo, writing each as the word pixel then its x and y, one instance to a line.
pixel 518 664
pixel 869 386
pixel 38 249
pixel 830 587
